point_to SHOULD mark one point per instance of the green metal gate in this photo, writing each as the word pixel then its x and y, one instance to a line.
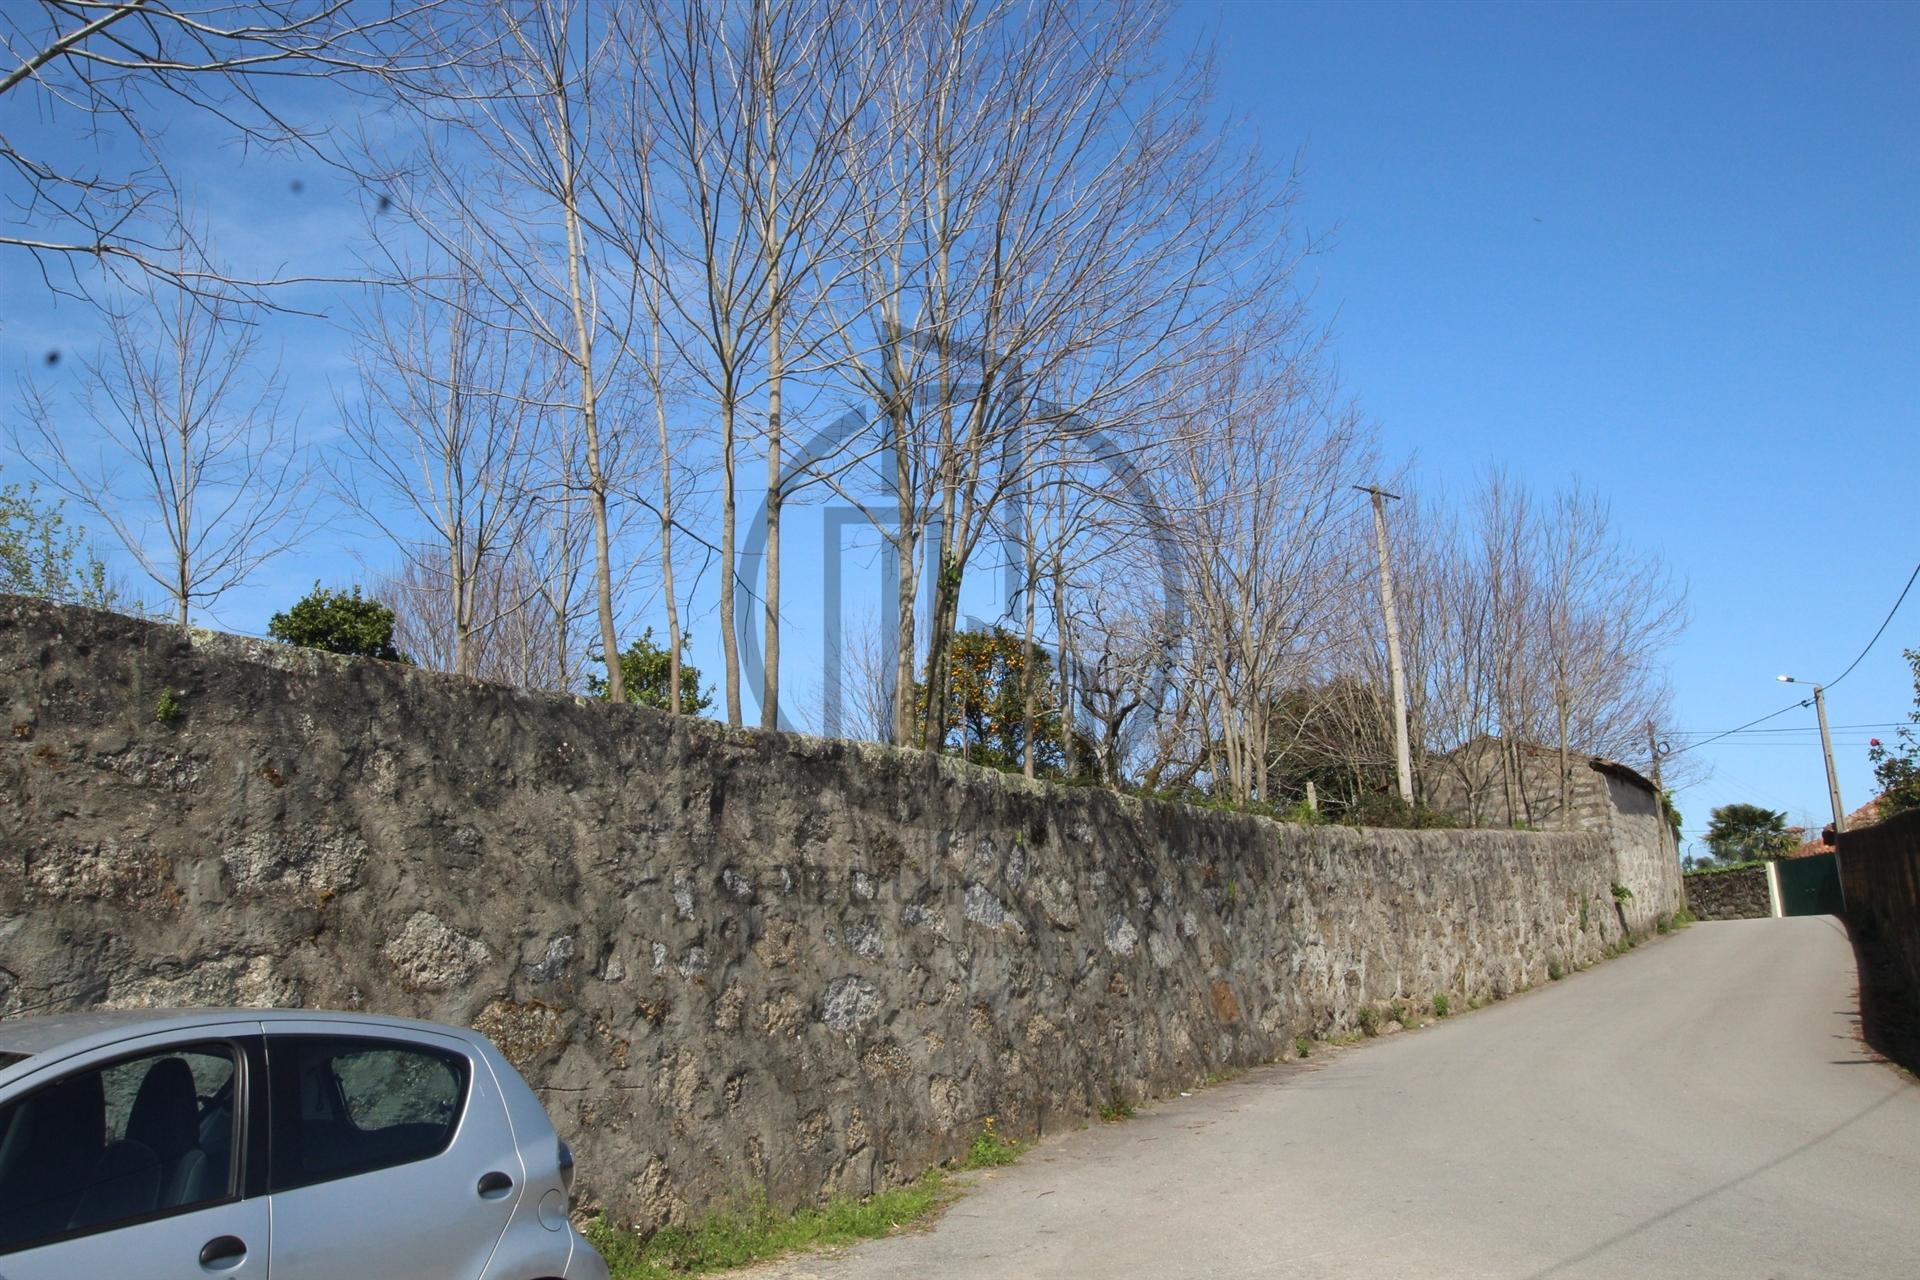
pixel 1809 886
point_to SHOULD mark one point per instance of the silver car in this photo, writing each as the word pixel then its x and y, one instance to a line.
pixel 248 1143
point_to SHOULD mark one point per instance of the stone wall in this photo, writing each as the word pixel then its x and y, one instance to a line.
pixel 1646 856
pixel 1729 895
pixel 1470 783
pixel 730 961
pixel 1603 796
pixel 1880 876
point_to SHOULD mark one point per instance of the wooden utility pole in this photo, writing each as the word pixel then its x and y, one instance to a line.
pixel 1653 754
pixel 1826 748
pixel 1402 752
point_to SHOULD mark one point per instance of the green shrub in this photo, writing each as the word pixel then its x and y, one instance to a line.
pixel 1301 1046
pixel 167 709
pixel 1369 1019
pixel 1440 1006
pixel 646 669
pixel 1304 814
pixel 1392 811
pixel 41 555
pixel 338 622
pixel 1621 893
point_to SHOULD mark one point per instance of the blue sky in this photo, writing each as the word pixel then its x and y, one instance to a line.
pixel 1671 250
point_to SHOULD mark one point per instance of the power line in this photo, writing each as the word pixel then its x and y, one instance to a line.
pixel 1797 746
pixel 1883 627
pixel 1838 728
pixel 1807 702
pixel 1804 702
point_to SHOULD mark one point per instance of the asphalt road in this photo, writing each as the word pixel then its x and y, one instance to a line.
pixel 1700 1107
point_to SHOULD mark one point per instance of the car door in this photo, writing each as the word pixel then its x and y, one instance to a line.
pixel 391 1154
pixel 131 1162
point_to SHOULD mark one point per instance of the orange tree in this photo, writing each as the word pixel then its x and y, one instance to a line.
pixel 988 676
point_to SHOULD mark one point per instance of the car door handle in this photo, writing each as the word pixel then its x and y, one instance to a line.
pixel 223 1253
pixel 494 1185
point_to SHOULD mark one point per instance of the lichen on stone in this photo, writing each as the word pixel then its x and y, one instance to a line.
pixel 432 956
pixel 849 1004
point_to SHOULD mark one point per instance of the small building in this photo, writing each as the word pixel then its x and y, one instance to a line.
pixel 1492 783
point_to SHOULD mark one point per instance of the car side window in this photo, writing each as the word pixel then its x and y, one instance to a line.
pixel 111 1145
pixel 343 1106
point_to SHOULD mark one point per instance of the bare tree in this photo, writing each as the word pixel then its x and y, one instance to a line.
pixel 691 125
pixel 1534 629
pixel 442 448
pixel 1043 231
pixel 195 472
pixel 733 138
pixel 119 70
pixel 1271 554
pixel 518 640
pixel 510 201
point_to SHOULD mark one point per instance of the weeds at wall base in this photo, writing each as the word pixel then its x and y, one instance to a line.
pixel 730 1240
pixel 990 1150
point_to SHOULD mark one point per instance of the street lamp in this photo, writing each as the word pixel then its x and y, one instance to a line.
pixel 1826 746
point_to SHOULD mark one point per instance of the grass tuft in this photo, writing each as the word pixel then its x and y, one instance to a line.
pixel 726 1241
pixel 990 1150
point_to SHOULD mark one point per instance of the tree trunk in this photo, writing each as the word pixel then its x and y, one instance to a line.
pixel 590 424
pixel 1029 686
pixel 770 240
pixel 729 644
pixel 1566 774
pixel 666 530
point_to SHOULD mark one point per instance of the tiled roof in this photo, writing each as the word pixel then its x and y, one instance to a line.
pixel 1866 815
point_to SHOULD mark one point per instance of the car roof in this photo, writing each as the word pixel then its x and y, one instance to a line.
pixel 76 1031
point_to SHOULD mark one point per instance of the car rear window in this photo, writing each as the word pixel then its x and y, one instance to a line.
pixel 344 1106
pixel 8 1059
